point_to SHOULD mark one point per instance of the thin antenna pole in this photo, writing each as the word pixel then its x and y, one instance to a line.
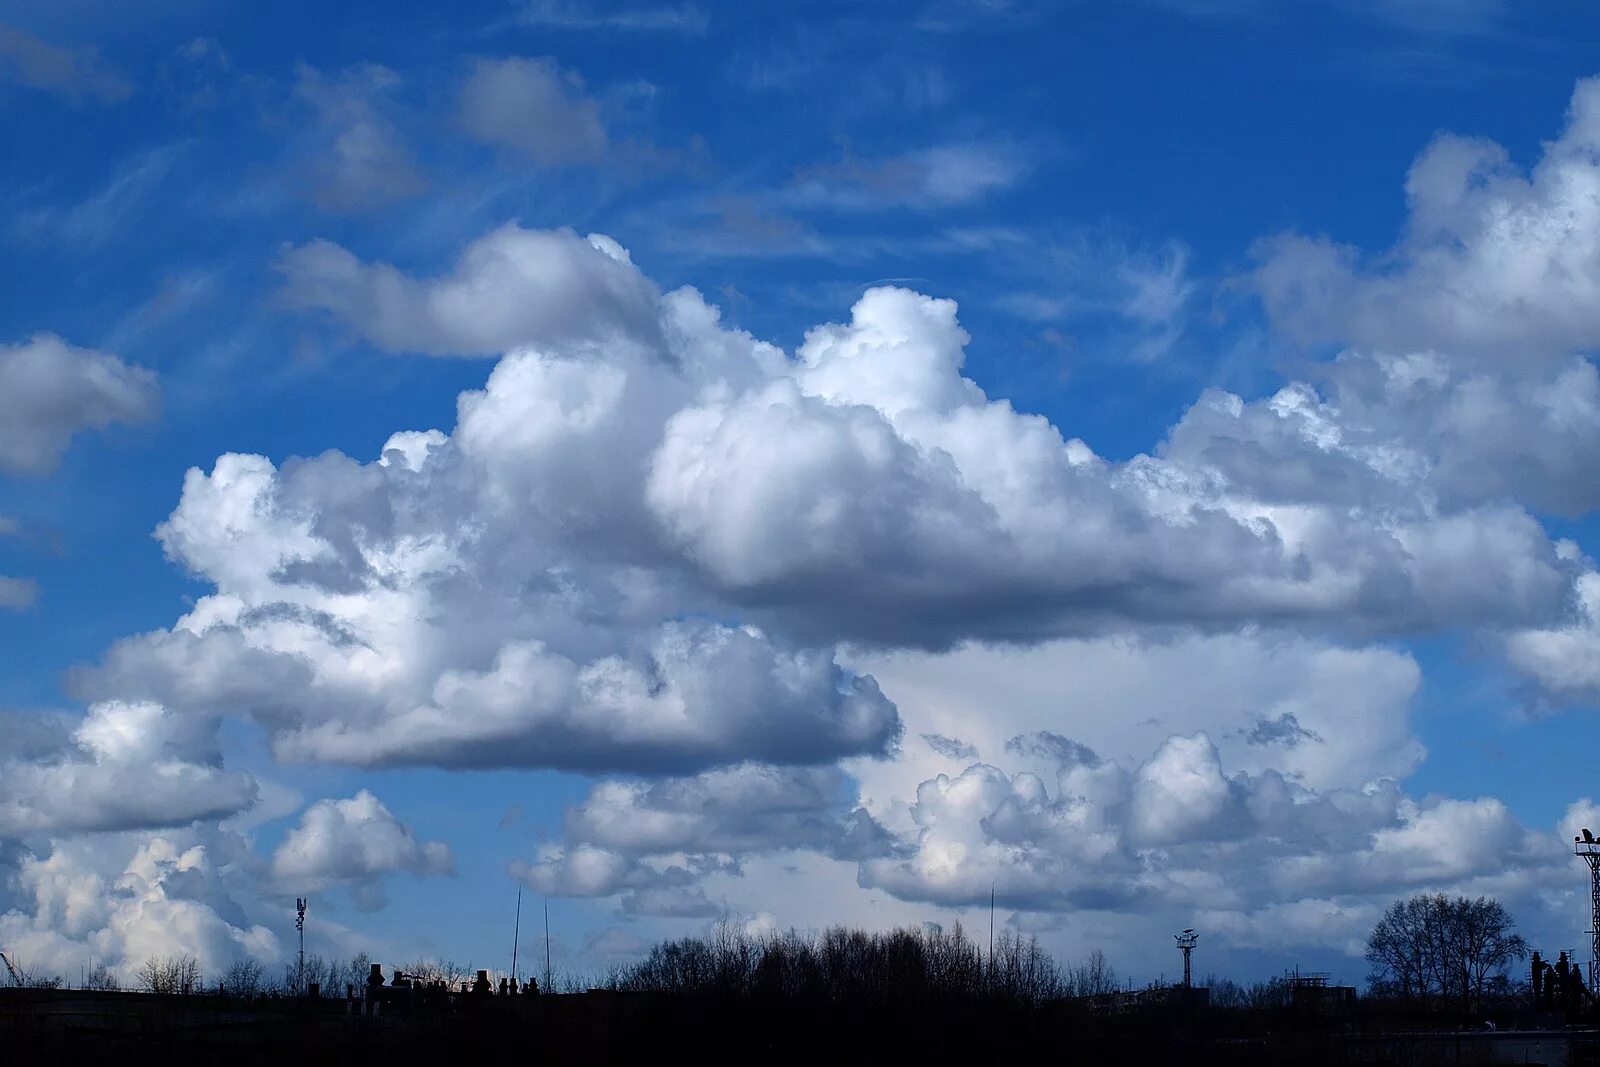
pixel 516 935
pixel 547 944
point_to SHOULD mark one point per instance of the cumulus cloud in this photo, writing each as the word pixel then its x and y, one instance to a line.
pixel 1383 427
pixel 1094 703
pixel 1495 264
pixel 1565 660
pixel 77 74
pixel 120 899
pixel 896 473
pixel 1076 703
pixel 511 287
pixel 557 581
pixel 534 107
pixel 358 159
pixel 893 467
pixel 51 391
pixel 354 843
pixel 1468 341
pixel 653 841
pixel 655 545
pixel 1173 830
pixel 677 695
pixel 410 637
pixel 124 766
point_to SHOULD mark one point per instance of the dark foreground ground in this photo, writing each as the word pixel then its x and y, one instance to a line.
pixel 62 1027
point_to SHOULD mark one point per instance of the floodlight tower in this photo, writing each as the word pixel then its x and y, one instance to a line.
pixel 1186 942
pixel 300 927
pixel 1588 849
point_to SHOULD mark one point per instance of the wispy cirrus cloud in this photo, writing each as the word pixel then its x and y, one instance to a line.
pixel 106 211
pixel 604 15
pixel 938 176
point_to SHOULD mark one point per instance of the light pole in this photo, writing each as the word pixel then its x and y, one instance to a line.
pixel 1587 849
pixel 1186 942
pixel 300 926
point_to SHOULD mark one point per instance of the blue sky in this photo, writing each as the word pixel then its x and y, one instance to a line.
pixel 662 626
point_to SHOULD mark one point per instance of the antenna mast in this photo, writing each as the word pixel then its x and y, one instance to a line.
pixel 1587 849
pixel 516 935
pixel 547 944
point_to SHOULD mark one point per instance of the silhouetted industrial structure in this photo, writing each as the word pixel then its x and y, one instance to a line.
pixel 1588 850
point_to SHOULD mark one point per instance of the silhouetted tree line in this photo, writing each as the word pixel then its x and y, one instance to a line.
pixel 863 967
pixel 1429 951
pixel 182 975
pixel 1270 995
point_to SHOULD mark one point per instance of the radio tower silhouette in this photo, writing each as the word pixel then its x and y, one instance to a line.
pixel 1588 850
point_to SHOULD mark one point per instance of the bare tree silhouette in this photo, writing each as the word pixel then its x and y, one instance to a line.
pixel 180 974
pixel 1447 949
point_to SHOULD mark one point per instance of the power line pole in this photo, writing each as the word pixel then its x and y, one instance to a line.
pixel 547 944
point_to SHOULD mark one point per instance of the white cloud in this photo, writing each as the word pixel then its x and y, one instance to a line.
pixel 119 900
pixel 635 835
pixel 1141 297
pixel 419 647
pixel 733 810
pixel 17 593
pixel 510 287
pixel 1177 828
pixel 875 467
pixel 555 582
pixel 358 160
pixel 655 545
pixel 124 196
pixel 125 766
pixel 1469 339
pixel 535 107
pixel 939 176
pixel 77 74
pixel 1565 660
pixel 1112 701
pixel 353 843
pixel 51 391
pixel 606 15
